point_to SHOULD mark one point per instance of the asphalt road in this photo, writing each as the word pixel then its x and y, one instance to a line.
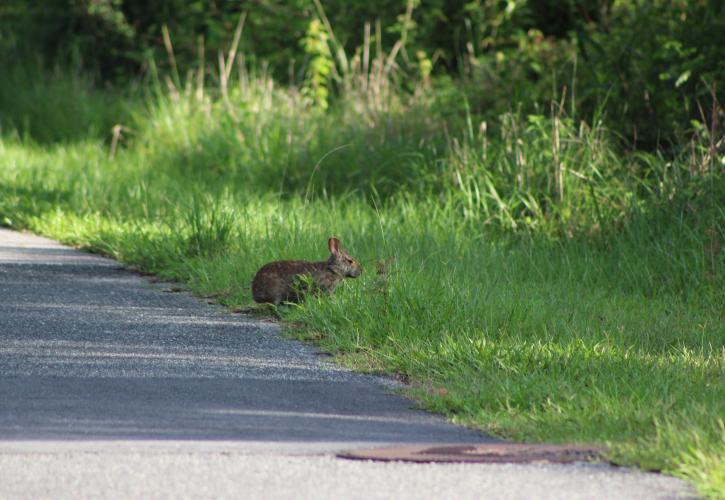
pixel 112 388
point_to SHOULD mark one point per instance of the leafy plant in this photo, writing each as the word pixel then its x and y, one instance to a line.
pixel 320 66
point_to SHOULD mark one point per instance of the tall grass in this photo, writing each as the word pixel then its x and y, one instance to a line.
pixel 541 283
pixel 57 104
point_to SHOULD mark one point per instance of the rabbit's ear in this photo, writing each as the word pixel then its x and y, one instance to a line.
pixel 333 244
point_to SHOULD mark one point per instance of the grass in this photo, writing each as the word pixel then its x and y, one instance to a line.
pixel 543 286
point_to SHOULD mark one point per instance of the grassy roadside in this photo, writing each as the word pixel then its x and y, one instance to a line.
pixel 540 290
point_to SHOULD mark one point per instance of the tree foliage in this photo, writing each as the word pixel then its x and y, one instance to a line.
pixel 655 63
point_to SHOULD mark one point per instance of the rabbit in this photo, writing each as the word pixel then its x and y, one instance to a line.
pixel 284 280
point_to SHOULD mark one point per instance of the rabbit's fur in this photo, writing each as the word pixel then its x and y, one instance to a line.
pixel 286 280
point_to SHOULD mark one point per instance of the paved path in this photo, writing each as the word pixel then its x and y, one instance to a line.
pixel 111 388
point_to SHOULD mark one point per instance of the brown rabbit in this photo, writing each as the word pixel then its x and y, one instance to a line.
pixel 283 280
